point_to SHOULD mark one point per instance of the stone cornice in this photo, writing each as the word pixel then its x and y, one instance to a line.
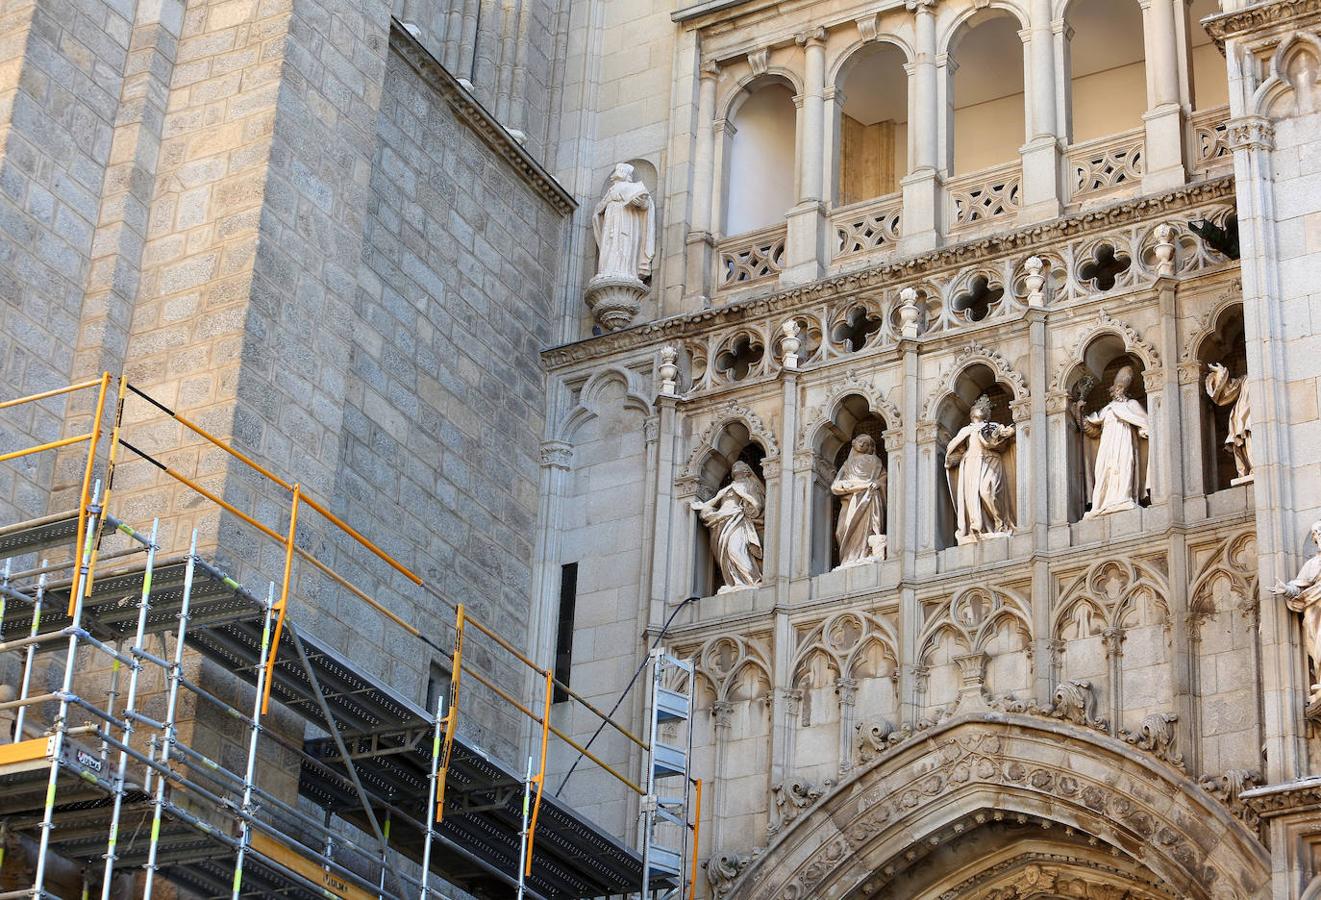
pixel 476 117
pixel 1257 17
pixel 1020 240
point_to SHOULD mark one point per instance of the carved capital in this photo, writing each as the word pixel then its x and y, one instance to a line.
pixel 1190 372
pixel 847 689
pixel 1113 638
pixel 926 6
pixel 722 711
pixel 1021 410
pixel 709 69
pixel 557 455
pixel 811 37
pixel 1056 402
pixel 1250 133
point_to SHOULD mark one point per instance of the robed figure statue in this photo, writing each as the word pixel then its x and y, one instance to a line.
pixel 975 473
pixel 734 516
pixel 1303 595
pixel 624 223
pixel 1223 391
pixel 1117 469
pixel 861 487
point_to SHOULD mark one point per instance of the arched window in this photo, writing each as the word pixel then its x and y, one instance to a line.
pixel 955 412
pixel 1107 68
pixel 872 99
pixel 1210 78
pixel 1090 384
pixel 1226 347
pixel 759 172
pixel 734 445
pixel 853 417
pixel 989 119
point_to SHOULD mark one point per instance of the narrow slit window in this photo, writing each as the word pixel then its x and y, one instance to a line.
pixel 564 629
pixel 438 686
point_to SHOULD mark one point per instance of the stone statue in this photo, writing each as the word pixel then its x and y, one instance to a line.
pixel 975 473
pixel 1121 425
pixel 625 227
pixel 1303 595
pixel 624 223
pixel 1223 391
pixel 861 487
pixel 734 517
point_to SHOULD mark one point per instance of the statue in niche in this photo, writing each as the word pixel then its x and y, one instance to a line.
pixel 1303 595
pixel 1117 470
pixel 625 227
pixel 1223 391
pixel 624 223
pixel 734 516
pixel 861 487
pixel 975 473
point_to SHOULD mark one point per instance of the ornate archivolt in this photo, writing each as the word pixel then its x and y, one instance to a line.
pixel 970 773
pixel 822 416
pixel 1134 343
pixel 708 441
pixel 1190 363
pixel 969 355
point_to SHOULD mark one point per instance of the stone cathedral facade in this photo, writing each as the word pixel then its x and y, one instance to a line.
pixel 940 377
pixel 872 219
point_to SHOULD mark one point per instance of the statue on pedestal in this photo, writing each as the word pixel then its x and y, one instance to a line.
pixel 1303 595
pixel 624 223
pixel 975 473
pixel 734 516
pixel 861 487
pixel 1117 470
pixel 1223 391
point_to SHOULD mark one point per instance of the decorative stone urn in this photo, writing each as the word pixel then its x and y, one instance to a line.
pixel 615 299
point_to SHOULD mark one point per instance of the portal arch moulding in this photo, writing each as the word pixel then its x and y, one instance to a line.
pixel 974 773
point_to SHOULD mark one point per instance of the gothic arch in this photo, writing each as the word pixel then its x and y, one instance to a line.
pixel 1090 588
pixel 593 393
pixel 823 416
pixel 969 777
pixel 1279 87
pixel 1208 324
pixel 1106 324
pixel 969 356
pixel 707 442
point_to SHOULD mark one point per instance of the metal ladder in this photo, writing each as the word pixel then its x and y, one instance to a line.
pixel 670 701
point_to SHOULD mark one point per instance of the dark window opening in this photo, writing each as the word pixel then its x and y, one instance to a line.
pixel 438 686
pixel 564 629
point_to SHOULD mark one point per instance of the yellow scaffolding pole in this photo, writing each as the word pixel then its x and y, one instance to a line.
pixel 540 778
pixel 283 605
pixel 452 717
pixel 697 831
pixel 85 497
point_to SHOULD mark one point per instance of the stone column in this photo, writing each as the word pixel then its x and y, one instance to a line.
pixel 1041 154
pixel 663 588
pixel 1164 116
pixel 791 516
pixel 701 240
pixel 806 256
pixel 921 186
pixel 847 690
pixel 556 465
pixel 722 712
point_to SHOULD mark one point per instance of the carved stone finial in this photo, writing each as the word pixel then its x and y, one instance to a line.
pixel 909 313
pixel 1035 281
pixel 790 343
pixel 668 370
pixel 1164 250
pixel 1157 736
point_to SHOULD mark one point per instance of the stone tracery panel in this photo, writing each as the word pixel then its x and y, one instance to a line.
pixel 979 641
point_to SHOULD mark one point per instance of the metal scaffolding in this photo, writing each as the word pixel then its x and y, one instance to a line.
pixel 391 799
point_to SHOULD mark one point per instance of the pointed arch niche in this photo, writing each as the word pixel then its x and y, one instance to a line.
pixel 1089 380
pixel 851 415
pixel 712 467
pixel 951 414
pixel 1224 345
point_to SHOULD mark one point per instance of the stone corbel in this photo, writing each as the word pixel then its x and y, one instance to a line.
pixel 867 26
pixel 557 455
pixel 759 60
pixel 1021 410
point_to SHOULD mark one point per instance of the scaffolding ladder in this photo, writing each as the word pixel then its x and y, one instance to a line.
pixel 669 786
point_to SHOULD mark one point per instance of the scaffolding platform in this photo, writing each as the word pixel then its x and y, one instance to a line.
pixel 477 843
